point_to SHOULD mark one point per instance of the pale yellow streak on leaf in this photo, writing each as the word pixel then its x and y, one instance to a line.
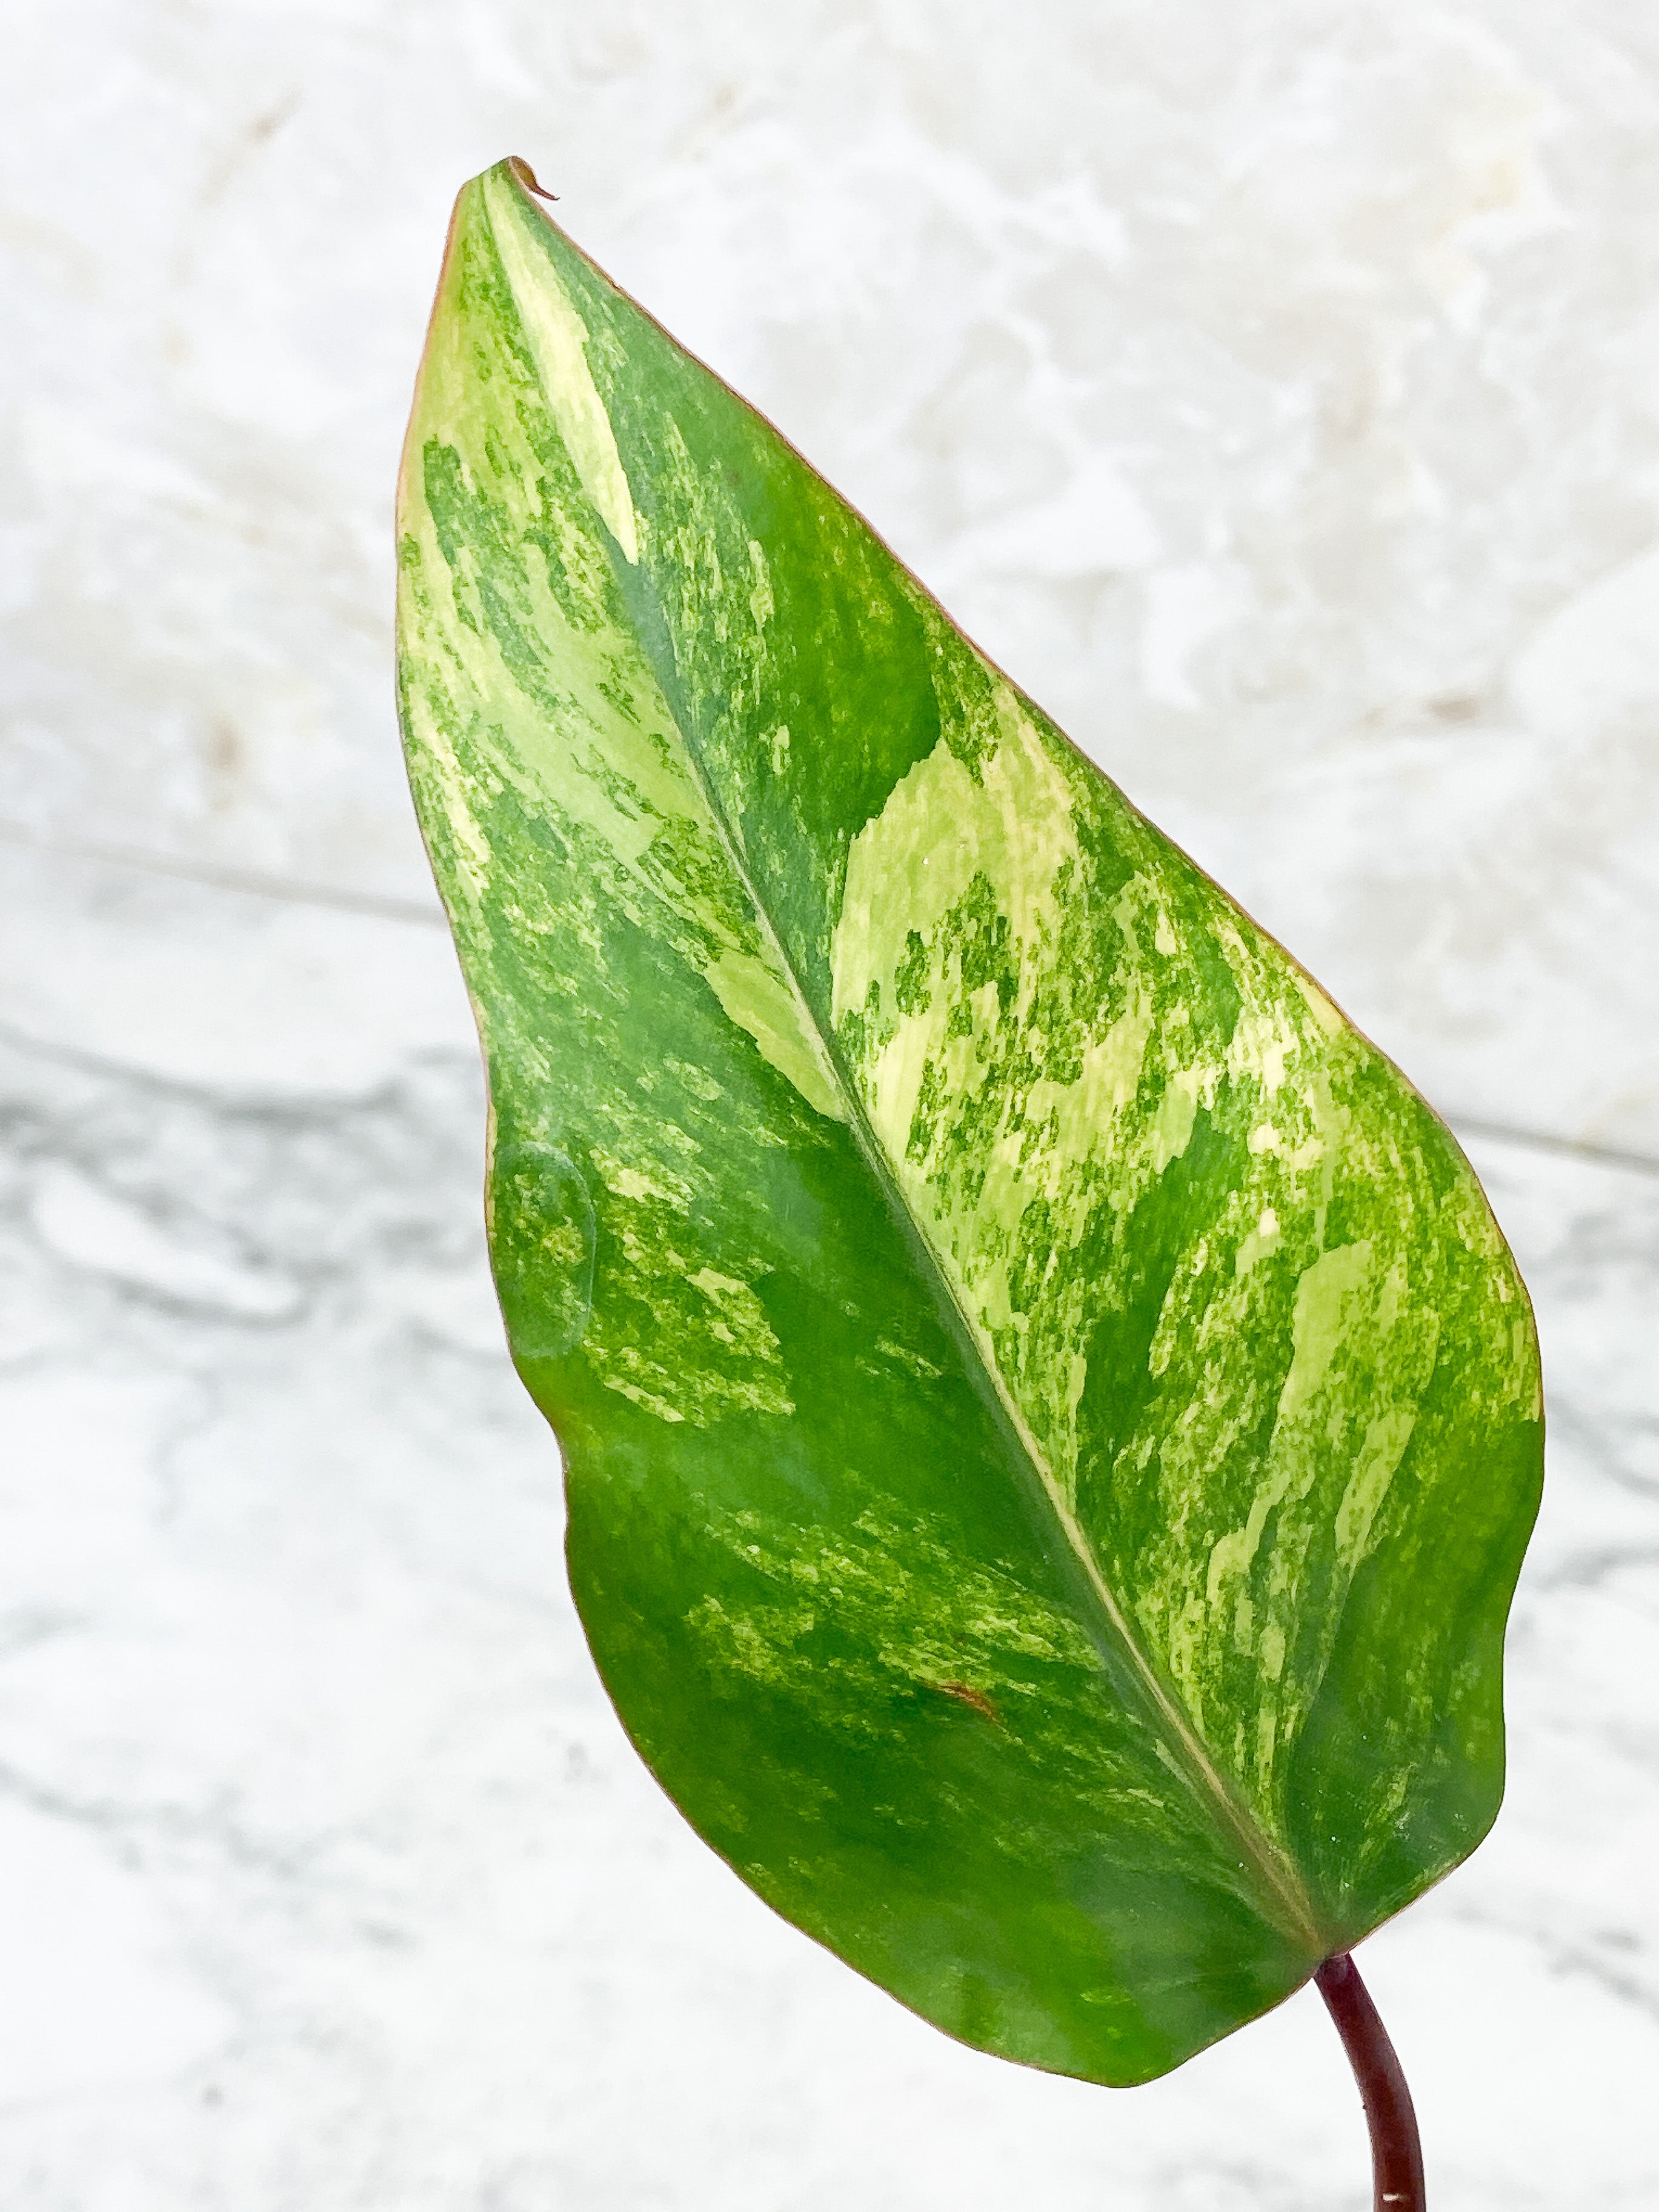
pixel 1262 1240
pixel 1380 1454
pixel 557 339
pixel 759 999
pixel 473 856
pixel 634 1183
pixel 1327 1300
pixel 1263 1040
pixel 904 871
pixel 647 1399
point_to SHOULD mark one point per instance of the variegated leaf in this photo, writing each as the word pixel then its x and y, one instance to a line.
pixel 1050 1422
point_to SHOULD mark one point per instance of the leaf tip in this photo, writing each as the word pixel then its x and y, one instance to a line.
pixel 526 176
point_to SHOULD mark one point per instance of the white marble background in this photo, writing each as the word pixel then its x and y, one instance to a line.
pixel 1274 386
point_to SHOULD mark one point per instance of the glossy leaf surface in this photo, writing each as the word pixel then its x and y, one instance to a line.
pixel 1050 1422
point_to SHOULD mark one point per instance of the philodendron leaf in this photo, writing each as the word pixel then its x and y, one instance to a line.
pixel 1050 1422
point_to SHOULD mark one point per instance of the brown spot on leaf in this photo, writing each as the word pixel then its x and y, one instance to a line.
pixel 965 1694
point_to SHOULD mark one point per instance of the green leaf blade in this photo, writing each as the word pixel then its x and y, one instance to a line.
pixel 1050 1422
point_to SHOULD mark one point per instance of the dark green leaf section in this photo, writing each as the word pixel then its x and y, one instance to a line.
pixel 1050 1424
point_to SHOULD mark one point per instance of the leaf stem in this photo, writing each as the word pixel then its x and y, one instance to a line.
pixel 1396 2152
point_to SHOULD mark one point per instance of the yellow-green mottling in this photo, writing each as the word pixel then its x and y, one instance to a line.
pixel 1050 1422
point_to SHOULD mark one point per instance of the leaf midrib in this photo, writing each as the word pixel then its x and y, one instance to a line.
pixel 1260 1849
pixel 1277 1872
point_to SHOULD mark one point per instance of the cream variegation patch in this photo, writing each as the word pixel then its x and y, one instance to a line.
pixel 557 339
